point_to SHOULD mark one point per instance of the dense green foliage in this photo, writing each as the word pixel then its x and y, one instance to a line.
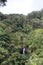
pixel 18 29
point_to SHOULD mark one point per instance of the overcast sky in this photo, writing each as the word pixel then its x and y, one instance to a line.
pixel 21 6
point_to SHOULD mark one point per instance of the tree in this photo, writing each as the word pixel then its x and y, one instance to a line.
pixel 3 2
pixel 16 30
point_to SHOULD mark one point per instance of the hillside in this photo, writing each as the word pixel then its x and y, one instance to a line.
pixel 18 29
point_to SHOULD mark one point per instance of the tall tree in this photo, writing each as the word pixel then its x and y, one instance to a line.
pixel 3 2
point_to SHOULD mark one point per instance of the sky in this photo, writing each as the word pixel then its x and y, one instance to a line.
pixel 21 6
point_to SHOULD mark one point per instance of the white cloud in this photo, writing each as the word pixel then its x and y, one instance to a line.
pixel 17 6
pixel 21 6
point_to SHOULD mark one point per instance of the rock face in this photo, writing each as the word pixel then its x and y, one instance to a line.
pixel 38 24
